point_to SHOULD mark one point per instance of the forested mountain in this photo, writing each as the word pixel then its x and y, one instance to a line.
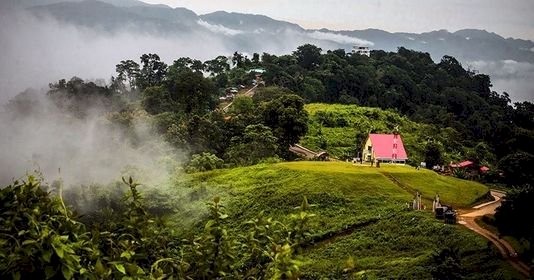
pixel 464 118
pixel 509 61
pixel 107 17
pixel 249 23
pixel 118 3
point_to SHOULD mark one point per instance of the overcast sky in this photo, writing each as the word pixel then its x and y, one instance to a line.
pixel 509 18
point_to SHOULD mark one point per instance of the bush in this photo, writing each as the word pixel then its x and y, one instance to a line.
pixel 204 162
pixel 40 237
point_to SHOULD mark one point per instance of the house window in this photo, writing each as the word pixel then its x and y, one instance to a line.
pixel 369 148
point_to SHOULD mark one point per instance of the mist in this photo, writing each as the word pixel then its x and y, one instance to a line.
pixel 37 136
pixel 36 52
pixel 39 51
pixel 509 76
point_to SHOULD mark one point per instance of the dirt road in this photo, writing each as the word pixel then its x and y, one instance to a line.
pixel 467 218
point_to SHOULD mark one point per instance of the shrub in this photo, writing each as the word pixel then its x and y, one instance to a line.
pixel 40 237
pixel 204 162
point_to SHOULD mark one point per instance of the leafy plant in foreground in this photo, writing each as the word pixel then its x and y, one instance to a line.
pixel 40 238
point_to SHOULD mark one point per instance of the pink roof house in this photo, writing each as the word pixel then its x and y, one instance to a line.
pixel 384 147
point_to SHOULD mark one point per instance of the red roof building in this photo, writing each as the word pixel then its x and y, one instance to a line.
pixel 462 164
pixel 384 147
pixel 484 169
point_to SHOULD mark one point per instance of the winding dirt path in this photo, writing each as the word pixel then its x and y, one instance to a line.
pixel 467 218
pixel 249 92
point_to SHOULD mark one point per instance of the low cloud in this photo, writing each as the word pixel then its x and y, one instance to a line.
pixel 35 52
pixel 509 76
pixel 504 69
pixel 37 135
pixel 339 38
pixel 217 28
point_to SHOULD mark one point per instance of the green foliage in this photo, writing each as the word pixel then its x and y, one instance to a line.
pixel 342 130
pixel 444 95
pixel 40 238
pixel 128 70
pixel 269 93
pixel 447 264
pixel 155 100
pixel 204 162
pixel 185 91
pixel 287 119
pixel 79 98
pixel 517 168
pixel 460 173
pixel 256 144
pixel 308 56
pixel 433 154
pixel 152 72
pixel 510 216
pixel 360 213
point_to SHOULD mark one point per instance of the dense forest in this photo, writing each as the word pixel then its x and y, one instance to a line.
pixel 183 103
pixel 184 97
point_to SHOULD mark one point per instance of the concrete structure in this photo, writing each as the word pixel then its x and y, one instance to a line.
pixel 361 50
pixel 384 148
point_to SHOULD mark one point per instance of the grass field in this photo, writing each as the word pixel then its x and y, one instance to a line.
pixel 363 211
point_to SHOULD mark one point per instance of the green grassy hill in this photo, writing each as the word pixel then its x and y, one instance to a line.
pixel 361 214
pixel 342 129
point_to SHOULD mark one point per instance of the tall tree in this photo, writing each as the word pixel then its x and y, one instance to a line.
pixel 308 56
pixel 128 70
pixel 287 119
pixel 153 71
pixel 217 66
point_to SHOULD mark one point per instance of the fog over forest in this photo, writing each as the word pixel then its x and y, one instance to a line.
pixel 36 51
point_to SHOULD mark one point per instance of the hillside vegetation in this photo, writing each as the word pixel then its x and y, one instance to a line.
pixel 360 214
pixel 342 130
pixel 259 224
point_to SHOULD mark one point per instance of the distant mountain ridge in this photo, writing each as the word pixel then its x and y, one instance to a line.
pixel 248 22
pixel 510 62
pixel 118 3
pixel 467 44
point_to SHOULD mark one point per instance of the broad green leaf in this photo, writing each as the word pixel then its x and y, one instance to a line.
pixel 120 268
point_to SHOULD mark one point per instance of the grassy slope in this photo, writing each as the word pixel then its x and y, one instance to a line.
pixel 341 140
pixel 396 243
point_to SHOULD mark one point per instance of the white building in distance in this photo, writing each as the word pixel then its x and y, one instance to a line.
pixel 361 50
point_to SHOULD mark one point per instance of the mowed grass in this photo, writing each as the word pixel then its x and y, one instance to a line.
pixel 341 194
pixel 452 191
pixel 394 242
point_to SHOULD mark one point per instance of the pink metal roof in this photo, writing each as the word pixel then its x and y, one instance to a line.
pixel 388 146
pixel 462 164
